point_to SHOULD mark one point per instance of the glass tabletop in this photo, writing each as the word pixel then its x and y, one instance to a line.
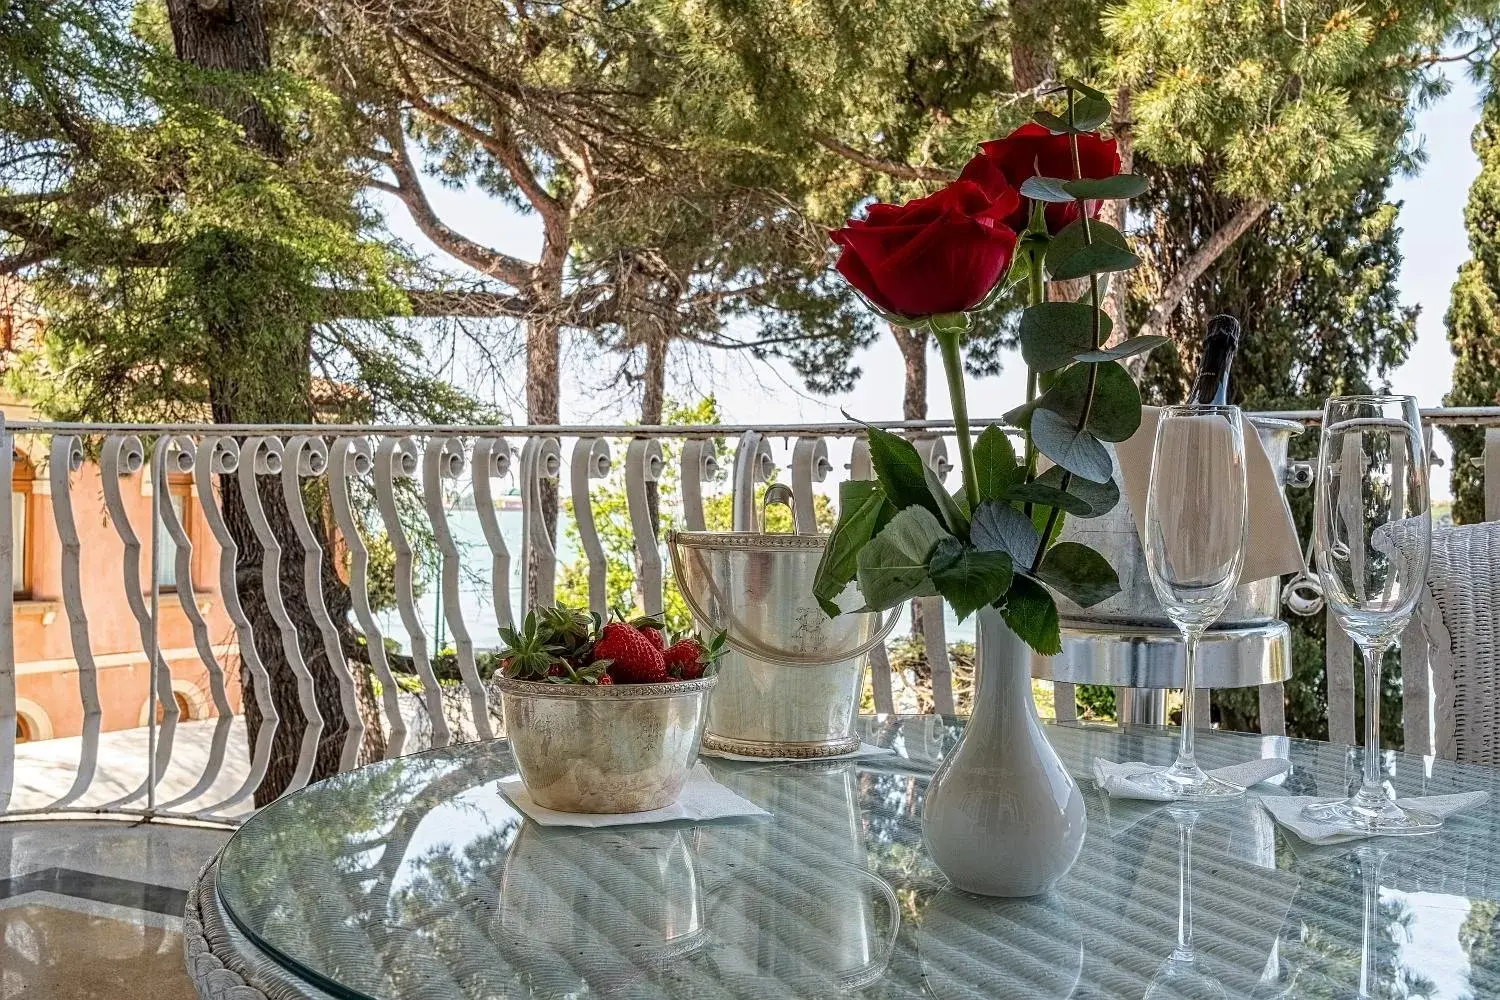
pixel 415 878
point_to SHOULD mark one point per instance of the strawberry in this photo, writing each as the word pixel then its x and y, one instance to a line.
pixel 654 629
pixel 634 658
pixel 604 678
pixel 690 657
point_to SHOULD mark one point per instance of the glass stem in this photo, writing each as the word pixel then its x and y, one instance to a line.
pixel 1184 890
pixel 1189 699
pixel 1372 782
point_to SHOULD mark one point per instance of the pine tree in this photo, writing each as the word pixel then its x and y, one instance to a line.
pixel 1313 284
pixel 1474 318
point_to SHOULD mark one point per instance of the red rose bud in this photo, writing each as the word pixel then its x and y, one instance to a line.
pixel 938 254
pixel 1032 151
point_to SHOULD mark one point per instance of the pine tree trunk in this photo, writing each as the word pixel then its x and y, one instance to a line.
pixel 913 345
pixel 653 400
pixel 543 353
pixel 232 35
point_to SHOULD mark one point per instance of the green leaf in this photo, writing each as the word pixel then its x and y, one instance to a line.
pixel 1096 499
pixel 1037 492
pixel 1124 349
pixel 901 471
pixel 999 527
pixel 1051 122
pixel 967 579
pixel 893 567
pixel 858 522
pixel 1089 113
pixel 1052 334
pixel 995 464
pixel 1085 90
pixel 1032 614
pixel 1116 411
pixel 954 518
pixel 1039 518
pixel 1084 576
pixel 1117 186
pixel 1072 255
pixel 1077 451
pixel 1053 189
pixel 961 498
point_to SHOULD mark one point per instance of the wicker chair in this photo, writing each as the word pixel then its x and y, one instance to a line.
pixel 1460 618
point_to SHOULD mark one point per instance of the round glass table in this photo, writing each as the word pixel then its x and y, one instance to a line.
pixel 415 878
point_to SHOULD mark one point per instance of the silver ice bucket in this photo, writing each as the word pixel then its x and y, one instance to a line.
pixel 1114 536
pixel 789 681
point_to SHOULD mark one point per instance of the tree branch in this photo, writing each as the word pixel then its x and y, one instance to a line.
pixel 903 171
pixel 1201 260
pixel 408 187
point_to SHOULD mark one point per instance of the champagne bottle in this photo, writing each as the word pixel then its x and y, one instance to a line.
pixel 1211 384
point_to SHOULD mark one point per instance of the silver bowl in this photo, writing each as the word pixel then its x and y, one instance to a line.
pixel 617 748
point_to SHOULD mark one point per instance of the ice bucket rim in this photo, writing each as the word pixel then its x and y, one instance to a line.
pixel 606 692
pixel 775 541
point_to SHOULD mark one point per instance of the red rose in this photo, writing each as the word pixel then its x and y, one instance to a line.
pixel 1032 151
pixel 938 254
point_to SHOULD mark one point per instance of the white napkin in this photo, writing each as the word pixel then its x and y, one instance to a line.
pixel 1271 548
pixel 865 750
pixel 1119 780
pixel 702 798
pixel 1287 810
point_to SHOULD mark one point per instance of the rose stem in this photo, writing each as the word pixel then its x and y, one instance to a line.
pixel 953 367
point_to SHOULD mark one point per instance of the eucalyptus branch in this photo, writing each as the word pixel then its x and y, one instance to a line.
pixel 1093 377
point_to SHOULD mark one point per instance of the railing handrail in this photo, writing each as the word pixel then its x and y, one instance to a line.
pixel 1483 416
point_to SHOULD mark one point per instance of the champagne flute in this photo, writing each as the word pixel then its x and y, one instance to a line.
pixel 1372 536
pixel 1196 521
pixel 1182 976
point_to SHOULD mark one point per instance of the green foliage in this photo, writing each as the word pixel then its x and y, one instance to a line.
pixel 1474 318
pixel 1276 99
pixel 178 263
pixel 1314 287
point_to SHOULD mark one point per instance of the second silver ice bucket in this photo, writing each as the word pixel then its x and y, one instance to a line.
pixel 789 682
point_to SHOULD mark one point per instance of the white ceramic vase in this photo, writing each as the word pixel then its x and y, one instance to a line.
pixel 1003 817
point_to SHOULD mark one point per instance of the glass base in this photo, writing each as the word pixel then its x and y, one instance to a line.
pixel 1373 815
pixel 1189 782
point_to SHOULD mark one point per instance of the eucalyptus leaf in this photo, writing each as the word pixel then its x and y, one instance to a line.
pixel 1116 186
pixel 1051 122
pixel 1037 492
pixel 1100 498
pixel 999 527
pixel 901 471
pixel 1052 334
pixel 1084 576
pixel 1124 349
pixel 1089 113
pixel 1115 413
pixel 858 522
pixel 1032 615
pixel 892 567
pixel 968 579
pixel 1085 89
pixel 1076 450
pixel 1041 516
pixel 1076 254
pixel 1051 189
pixel 995 464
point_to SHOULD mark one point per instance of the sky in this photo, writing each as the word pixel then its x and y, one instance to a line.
pixel 1433 245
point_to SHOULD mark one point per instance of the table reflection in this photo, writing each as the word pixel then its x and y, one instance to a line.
pixel 417 878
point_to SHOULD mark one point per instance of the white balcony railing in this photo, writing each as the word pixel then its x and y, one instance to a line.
pixel 161 572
